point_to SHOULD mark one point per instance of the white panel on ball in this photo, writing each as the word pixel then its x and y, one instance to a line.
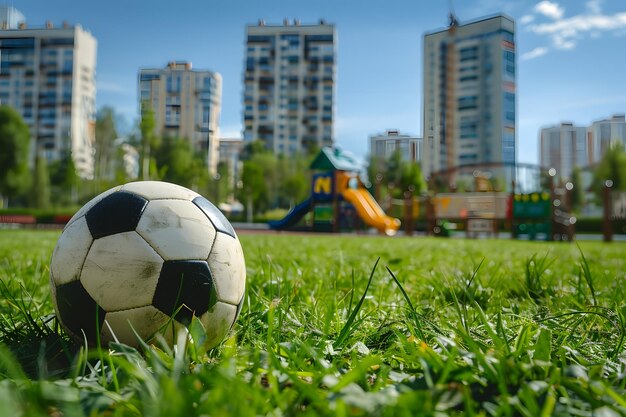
pixel 121 272
pixel 144 321
pixel 177 230
pixel 227 263
pixel 218 321
pixel 155 190
pixel 70 252
pixel 84 209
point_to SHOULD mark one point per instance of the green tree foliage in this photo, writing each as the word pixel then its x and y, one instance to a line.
pixel 271 181
pixel 411 178
pixel 106 133
pixel 291 180
pixel 64 181
pixel 223 185
pixel 14 141
pixel 254 190
pixel 40 191
pixel 611 167
pixel 578 193
pixel 396 175
pixel 177 163
pixel 149 142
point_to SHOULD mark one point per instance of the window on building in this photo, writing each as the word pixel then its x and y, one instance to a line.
pixel 468 54
pixel 467 102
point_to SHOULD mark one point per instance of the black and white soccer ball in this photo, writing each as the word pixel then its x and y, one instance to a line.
pixel 143 259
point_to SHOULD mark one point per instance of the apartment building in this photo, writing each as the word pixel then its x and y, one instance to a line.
pixel 48 75
pixel 469 103
pixel 564 147
pixel 289 85
pixel 186 104
pixel 606 133
pixel 384 145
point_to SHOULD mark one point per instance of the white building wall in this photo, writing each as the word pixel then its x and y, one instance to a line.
pixel 48 75
pixel 385 144
pixel 563 148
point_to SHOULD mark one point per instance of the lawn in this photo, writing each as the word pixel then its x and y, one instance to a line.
pixel 346 325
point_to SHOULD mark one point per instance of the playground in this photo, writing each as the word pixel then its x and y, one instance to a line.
pixel 480 200
pixel 339 201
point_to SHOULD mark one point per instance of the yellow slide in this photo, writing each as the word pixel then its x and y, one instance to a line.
pixel 370 211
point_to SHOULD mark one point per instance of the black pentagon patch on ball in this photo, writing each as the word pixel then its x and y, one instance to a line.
pixel 116 213
pixel 78 311
pixel 185 289
pixel 220 222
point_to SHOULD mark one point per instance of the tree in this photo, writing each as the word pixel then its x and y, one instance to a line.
pixel 578 193
pixel 411 178
pixel 40 191
pixel 149 141
pixel 106 133
pixel 14 142
pixel 294 178
pixel 177 163
pixel 224 187
pixel 254 191
pixel 397 174
pixel 612 167
pixel 64 180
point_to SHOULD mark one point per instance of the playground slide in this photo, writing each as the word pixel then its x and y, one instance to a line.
pixel 370 211
pixel 293 216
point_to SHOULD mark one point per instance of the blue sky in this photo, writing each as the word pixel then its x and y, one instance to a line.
pixel 571 55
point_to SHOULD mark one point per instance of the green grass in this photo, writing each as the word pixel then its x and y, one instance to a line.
pixel 346 325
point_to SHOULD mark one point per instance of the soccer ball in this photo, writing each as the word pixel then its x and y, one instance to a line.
pixel 143 259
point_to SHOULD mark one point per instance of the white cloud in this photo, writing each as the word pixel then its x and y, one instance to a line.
pixel 526 19
pixel 566 32
pixel 535 53
pixel 549 9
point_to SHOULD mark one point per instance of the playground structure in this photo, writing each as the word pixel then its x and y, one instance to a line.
pixel 338 200
pixel 484 199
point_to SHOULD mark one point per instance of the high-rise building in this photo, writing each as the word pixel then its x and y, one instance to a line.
pixel 564 147
pixel 385 144
pixel 606 133
pixel 186 104
pixel 289 85
pixel 469 94
pixel 48 75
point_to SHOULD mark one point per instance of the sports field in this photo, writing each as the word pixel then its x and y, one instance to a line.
pixel 346 325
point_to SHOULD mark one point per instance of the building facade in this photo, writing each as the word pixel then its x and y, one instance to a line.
pixel 564 147
pixel 289 86
pixel 469 103
pixel 385 144
pixel 606 133
pixel 48 75
pixel 186 104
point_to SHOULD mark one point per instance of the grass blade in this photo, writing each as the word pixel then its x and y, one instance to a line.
pixel 347 327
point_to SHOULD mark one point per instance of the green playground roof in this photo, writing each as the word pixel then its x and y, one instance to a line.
pixel 334 158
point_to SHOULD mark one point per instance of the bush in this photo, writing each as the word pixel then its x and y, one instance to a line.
pixel 594 225
pixel 48 216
